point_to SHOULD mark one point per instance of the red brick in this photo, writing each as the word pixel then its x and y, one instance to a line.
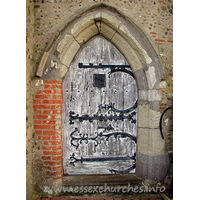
pixel 56 137
pixel 53 101
pixel 47 112
pixel 56 152
pixel 56 127
pixel 44 137
pixel 37 121
pixel 56 147
pixel 153 33
pixel 47 86
pixel 161 106
pixel 37 101
pixel 170 41
pixel 52 163
pixel 52 152
pixel 57 96
pixel 56 86
pixel 50 132
pixel 57 111
pixel 41 106
pixel 52 91
pixel 52 142
pixel 42 127
pixel 37 112
pixel 159 40
pixel 58 91
pixel 39 91
pixel 38 131
pixel 55 116
pixel 49 121
pixel 56 106
pixel 46 157
pixel 48 91
pixel 57 168
pixel 42 96
pixel 54 173
pixel 47 152
pixel 52 81
pixel 46 147
pixel 57 158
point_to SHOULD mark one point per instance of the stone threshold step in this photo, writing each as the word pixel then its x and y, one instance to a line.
pixel 98 180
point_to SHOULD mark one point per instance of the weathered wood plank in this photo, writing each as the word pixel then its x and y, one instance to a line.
pixel 82 98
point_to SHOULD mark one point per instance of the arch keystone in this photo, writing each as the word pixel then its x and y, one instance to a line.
pixel 111 21
pixel 81 25
pixel 107 32
pixel 88 33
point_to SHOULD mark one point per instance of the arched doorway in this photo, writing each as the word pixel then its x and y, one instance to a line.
pixel 147 69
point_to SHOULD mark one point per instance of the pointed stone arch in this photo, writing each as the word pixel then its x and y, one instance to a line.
pixel 131 41
pixel 114 26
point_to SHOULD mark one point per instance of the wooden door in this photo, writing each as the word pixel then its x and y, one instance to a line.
pixel 100 112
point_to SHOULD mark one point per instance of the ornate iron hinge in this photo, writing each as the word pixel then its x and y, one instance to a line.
pixel 76 140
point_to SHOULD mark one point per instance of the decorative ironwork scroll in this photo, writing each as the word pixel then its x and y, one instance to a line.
pixel 101 117
pixel 112 108
pixel 82 137
pixel 115 117
pixel 76 140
